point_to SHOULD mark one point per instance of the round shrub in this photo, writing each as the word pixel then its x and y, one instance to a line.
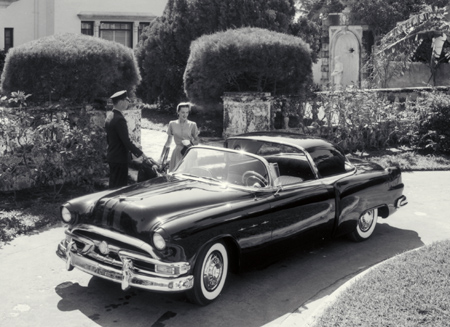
pixel 247 60
pixel 74 67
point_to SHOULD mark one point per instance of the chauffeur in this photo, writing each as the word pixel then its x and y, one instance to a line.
pixel 119 144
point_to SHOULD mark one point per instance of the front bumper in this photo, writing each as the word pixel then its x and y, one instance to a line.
pixel 127 274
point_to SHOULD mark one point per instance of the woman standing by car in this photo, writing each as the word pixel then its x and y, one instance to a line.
pixel 183 131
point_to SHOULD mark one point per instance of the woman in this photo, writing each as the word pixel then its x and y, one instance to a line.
pixel 183 131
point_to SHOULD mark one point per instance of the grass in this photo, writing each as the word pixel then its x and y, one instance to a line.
pixel 412 289
pixel 28 211
pixel 412 161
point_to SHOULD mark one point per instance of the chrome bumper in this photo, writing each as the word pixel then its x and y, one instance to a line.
pixel 127 275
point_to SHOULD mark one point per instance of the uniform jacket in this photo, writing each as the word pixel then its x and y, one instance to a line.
pixel 119 143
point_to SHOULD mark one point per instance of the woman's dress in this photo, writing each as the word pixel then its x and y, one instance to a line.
pixel 180 132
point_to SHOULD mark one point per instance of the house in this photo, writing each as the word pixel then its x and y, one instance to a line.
pixel 22 21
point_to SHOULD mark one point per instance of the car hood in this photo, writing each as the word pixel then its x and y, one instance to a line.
pixel 139 209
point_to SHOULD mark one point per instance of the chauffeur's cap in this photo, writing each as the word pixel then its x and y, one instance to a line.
pixel 120 95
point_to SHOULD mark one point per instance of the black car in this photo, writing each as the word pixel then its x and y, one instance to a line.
pixel 221 207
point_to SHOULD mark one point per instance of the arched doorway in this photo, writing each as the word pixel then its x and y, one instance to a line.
pixel 345 60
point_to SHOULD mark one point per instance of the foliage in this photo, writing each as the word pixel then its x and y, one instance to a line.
pixel 410 40
pixel 2 60
pixel 315 10
pixel 434 133
pixel 356 119
pixel 309 32
pixel 382 15
pixel 363 120
pixel 49 149
pixel 247 59
pixel 164 48
pixel 74 67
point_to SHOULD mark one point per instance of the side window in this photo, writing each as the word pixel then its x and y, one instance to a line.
pixel 328 161
pixel 275 148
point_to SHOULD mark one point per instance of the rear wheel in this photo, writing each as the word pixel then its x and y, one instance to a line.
pixel 365 226
pixel 210 273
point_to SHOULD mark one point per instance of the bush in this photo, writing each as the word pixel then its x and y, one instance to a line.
pixel 435 122
pixel 44 150
pixel 2 60
pixel 247 59
pixel 76 67
pixel 364 120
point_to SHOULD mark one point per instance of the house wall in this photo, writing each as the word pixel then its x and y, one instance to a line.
pixel 33 19
pixel 24 28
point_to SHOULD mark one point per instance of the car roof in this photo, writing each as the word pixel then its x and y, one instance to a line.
pixel 301 140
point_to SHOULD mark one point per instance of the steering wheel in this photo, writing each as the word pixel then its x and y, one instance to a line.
pixel 253 174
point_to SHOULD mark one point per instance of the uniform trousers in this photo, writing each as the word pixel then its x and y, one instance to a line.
pixel 118 174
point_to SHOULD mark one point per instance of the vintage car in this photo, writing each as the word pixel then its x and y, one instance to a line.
pixel 223 207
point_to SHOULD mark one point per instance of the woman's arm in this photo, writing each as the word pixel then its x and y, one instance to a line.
pixel 194 135
pixel 168 141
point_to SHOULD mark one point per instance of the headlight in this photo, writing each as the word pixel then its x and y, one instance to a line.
pixel 66 215
pixel 159 241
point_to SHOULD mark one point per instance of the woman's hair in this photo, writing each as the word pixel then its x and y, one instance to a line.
pixel 183 105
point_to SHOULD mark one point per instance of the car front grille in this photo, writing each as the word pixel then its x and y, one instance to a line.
pixel 104 245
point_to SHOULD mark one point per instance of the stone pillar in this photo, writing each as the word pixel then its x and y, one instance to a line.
pixel 246 112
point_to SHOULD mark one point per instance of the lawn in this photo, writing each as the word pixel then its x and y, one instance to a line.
pixel 411 289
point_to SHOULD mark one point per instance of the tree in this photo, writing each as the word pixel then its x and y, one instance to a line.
pixel 164 48
pixel 383 15
pixel 422 37
pixel 308 31
pixel 246 59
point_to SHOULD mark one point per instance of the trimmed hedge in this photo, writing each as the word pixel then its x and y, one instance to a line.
pixel 74 67
pixel 246 60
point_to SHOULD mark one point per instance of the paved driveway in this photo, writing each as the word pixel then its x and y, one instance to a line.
pixel 36 290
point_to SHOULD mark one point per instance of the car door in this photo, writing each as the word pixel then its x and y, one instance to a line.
pixel 303 211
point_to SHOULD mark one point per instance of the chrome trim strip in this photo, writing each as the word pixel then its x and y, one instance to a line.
pixel 114 235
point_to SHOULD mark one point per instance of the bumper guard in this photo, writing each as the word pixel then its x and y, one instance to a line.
pixel 127 275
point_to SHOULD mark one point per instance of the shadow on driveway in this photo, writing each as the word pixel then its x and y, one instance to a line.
pixel 252 298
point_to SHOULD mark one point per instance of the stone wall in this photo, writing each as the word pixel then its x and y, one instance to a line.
pixel 246 112
pixel 251 112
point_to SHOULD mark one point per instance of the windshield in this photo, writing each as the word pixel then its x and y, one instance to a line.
pixel 233 168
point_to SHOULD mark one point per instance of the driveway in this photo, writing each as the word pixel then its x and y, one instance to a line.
pixel 36 290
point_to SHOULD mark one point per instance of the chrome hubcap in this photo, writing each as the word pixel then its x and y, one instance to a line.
pixel 366 221
pixel 213 271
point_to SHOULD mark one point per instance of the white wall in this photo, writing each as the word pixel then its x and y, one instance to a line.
pixel 20 16
pixel 66 19
pixel 32 19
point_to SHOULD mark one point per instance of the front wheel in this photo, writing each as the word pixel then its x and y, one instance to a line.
pixel 365 226
pixel 210 273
